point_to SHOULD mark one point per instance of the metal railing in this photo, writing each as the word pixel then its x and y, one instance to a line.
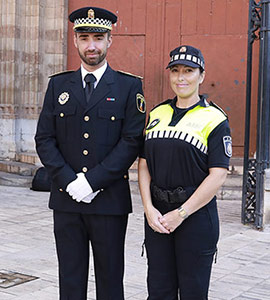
pixel 253 173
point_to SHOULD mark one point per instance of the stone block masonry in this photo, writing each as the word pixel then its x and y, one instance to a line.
pixel 33 38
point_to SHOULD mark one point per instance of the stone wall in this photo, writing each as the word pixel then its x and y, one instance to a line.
pixel 33 45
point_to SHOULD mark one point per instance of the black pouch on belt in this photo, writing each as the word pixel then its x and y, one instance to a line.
pixel 177 195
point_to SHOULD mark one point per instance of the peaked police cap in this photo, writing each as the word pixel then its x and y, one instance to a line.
pixel 92 19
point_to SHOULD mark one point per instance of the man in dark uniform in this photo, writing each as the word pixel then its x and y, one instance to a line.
pixel 88 135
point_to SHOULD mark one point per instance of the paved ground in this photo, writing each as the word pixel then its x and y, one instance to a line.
pixel 27 246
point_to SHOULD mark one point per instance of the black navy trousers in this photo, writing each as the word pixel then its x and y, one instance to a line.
pixel 73 234
pixel 179 263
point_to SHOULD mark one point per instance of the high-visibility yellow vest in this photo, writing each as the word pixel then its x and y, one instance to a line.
pixel 194 127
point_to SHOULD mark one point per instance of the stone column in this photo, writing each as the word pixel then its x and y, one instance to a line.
pixel 7 68
pixel 32 46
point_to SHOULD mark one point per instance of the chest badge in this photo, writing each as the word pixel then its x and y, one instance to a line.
pixel 153 124
pixel 63 98
pixel 110 99
pixel 140 103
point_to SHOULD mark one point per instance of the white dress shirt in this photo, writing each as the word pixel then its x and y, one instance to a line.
pixel 97 73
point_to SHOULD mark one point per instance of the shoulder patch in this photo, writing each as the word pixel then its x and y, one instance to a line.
pixel 60 73
pixel 140 101
pixel 219 108
pixel 129 74
pixel 227 142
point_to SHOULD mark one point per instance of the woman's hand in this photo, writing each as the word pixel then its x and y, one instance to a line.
pixel 153 217
pixel 152 214
pixel 171 220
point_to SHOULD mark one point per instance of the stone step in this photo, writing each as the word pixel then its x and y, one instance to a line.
pixel 229 193
pixel 231 190
pixel 15 167
pixel 28 158
pixel 236 165
pixel 10 179
pixel 234 180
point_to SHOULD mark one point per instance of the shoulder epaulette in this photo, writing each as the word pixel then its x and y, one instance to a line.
pixel 129 74
pixel 60 73
pixel 168 101
pixel 219 108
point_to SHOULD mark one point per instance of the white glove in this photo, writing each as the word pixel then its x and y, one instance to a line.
pixel 79 188
pixel 90 197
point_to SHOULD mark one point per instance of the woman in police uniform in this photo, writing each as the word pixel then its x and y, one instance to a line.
pixel 184 163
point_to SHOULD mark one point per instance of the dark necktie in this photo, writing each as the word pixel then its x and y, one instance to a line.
pixel 89 87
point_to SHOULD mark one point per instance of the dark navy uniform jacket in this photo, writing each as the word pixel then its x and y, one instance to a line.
pixel 101 139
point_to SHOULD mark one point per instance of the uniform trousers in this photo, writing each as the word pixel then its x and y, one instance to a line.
pixel 73 234
pixel 179 263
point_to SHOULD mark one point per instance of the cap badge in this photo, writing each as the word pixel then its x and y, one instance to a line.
pixel 140 103
pixel 91 14
pixel 63 98
pixel 183 49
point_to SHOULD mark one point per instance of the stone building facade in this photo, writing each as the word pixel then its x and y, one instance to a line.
pixel 33 35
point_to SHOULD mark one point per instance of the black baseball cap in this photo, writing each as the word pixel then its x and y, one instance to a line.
pixel 186 55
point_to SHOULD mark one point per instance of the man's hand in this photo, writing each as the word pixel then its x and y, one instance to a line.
pixel 79 188
pixel 90 197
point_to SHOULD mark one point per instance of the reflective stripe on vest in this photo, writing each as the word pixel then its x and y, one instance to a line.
pixel 194 127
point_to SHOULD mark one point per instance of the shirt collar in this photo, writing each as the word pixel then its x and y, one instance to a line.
pixel 97 73
pixel 202 102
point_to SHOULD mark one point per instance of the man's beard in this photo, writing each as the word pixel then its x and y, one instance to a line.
pixel 93 61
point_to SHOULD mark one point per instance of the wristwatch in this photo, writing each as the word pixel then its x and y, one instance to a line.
pixel 182 213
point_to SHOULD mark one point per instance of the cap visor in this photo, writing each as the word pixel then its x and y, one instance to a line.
pixel 183 62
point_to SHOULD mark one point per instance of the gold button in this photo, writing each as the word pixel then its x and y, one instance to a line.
pixel 85 152
pixel 62 115
pixel 86 135
pixel 86 118
pixel 125 176
pixel 113 118
pixel 84 169
pixel 60 190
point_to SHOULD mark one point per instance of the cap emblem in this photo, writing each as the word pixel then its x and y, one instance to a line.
pixel 183 49
pixel 91 14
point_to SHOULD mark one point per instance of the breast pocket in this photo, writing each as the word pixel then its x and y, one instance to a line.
pixel 65 123
pixel 110 126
